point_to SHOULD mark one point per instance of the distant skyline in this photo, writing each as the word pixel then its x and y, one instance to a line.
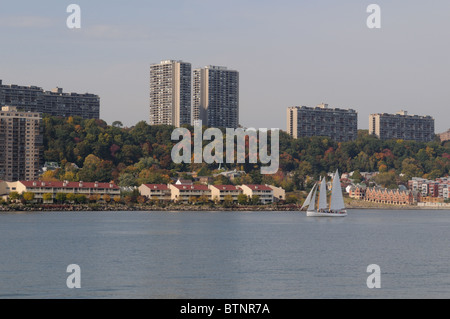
pixel 288 53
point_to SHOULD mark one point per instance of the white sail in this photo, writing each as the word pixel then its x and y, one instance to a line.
pixel 337 200
pixel 323 205
pixel 308 199
pixel 312 206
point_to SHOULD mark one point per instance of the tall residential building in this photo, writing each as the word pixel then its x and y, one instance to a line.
pixel 54 102
pixel 170 93
pixel 402 126
pixel 338 124
pixel 216 97
pixel 20 144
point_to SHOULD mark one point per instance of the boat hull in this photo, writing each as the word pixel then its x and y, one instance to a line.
pixel 325 214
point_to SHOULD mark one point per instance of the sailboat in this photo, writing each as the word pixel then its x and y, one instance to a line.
pixel 336 207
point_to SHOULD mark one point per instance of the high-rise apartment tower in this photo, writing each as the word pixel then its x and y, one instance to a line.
pixel 170 93
pixel 216 97
pixel 20 144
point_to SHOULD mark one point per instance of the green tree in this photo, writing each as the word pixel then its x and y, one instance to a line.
pixel 60 197
pixel 242 199
pixel 357 177
pixel 14 196
pixel 47 197
pixel 291 199
pixel 255 200
pixel 28 196
pixel 81 199
pixel 71 197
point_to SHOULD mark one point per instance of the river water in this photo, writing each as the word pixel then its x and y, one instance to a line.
pixel 226 255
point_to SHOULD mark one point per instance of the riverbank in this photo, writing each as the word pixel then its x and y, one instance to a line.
pixel 360 204
pixel 142 207
pixel 350 204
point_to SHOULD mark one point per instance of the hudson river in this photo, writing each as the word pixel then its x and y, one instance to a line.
pixel 225 255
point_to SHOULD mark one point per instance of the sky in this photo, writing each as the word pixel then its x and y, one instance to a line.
pixel 287 52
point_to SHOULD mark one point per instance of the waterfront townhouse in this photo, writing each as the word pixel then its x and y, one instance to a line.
pixel 264 192
pixel 156 191
pixel 219 192
pixel 389 196
pixel 188 193
pixel 279 194
pixel 39 188
pixel 357 192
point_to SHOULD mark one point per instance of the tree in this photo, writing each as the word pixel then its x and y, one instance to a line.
pixel 106 198
pixel 141 199
pixel 96 169
pixel 117 124
pixel 411 168
pixel 193 200
pixel 71 197
pixel 94 198
pixel 387 180
pixel 14 196
pixel 228 200
pixel 291 199
pixel 357 177
pixel 80 198
pixel 47 197
pixel 28 196
pixel 60 197
pixel 255 200
pixel 242 199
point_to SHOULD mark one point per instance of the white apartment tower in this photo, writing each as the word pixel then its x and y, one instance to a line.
pixel 170 93
pixel 216 97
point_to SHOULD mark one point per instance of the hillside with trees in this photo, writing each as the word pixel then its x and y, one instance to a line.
pixel 92 150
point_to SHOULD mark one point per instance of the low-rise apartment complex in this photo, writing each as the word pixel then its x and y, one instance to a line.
pixel 39 188
pixel 155 191
pixel 188 192
pixel 439 188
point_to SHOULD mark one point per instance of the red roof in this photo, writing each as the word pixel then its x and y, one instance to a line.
pixel 259 187
pixel 225 187
pixel 192 187
pixel 36 184
pixel 157 186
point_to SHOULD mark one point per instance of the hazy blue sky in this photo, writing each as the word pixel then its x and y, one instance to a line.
pixel 287 52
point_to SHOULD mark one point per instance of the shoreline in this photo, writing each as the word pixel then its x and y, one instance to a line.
pixel 353 205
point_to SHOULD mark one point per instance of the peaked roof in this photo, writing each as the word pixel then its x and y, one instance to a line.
pixel 226 187
pixel 191 187
pixel 157 186
pixel 255 187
